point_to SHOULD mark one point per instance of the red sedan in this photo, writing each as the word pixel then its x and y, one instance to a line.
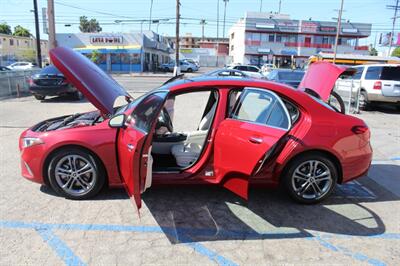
pixel 240 131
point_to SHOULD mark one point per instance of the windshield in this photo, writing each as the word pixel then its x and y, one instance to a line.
pixel 293 76
pixel 50 70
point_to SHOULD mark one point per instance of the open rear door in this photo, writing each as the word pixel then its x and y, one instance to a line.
pixel 258 121
pixel 134 145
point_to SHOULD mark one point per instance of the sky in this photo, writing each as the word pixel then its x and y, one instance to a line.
pixel 18 12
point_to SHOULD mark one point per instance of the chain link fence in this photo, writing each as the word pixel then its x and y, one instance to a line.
pixel 349 90
pixel 16 82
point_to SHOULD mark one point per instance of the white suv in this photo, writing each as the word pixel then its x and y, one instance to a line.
pixel 377 83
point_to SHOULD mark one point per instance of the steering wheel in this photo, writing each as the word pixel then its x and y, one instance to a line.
pixel 164 120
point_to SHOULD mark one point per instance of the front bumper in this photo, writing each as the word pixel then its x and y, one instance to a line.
pixel 32 159
pixel 51 90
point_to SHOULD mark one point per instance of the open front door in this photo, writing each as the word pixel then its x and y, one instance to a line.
pixel 242 142
pixel 134 145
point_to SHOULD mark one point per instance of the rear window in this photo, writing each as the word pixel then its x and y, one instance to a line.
pixel 252 69
pixel 373 73
pixel 50 70
pixel 391 73
pixel 293 76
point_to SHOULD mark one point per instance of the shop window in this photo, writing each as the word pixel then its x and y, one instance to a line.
pixel 115 58
pixel 11 42
pixel 125 58
pixel 271 38
pixel 135 59
pixel 256 36
pixel 264 37
pixel 278 38
pixel 102 59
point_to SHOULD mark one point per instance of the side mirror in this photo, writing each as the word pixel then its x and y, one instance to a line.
pixel 117 121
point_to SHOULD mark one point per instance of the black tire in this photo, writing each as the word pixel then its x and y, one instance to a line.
pixel 166 69
pixel 39 97
pixel 77 95
pixel 98 175
pixel 364 103
pixel 189 70
pixel 341 107
pixel 289 181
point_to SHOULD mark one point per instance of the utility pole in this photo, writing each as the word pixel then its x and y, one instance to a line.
pixel 177 69
pixel 396 7
pixel 280 5
pixel 225 2
pixel 151 10
pixel 202 22
pixel 217 19
pixel 38 48
pixel 52 26
pixel 339 24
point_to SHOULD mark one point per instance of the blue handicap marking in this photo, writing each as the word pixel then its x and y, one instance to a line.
pixel 354 189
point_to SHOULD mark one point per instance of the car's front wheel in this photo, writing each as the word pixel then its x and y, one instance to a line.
pixel 75 174
pixel 310 178
pixel 39 97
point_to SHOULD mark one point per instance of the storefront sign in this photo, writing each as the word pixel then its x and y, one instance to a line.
pixel 106 39
pixel 327 29
pixel 307 26
pixel 264 50
pixel 265 26
pixel 288 26
pixel 350 30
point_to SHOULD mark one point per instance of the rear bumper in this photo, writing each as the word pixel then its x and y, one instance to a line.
pixel 357 165
pixel 51 90
pixel 375 97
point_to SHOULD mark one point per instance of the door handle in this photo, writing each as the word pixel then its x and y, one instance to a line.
pixel 130 147
pixel 256 140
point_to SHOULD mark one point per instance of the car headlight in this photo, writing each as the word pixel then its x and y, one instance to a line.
pixel 27 142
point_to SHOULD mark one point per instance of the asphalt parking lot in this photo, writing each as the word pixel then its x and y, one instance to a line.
pixel 358 225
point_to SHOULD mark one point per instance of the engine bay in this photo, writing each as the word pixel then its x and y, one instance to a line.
pixel 70 121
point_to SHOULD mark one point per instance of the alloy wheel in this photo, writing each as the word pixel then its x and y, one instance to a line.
pixel 75 175
pixel 312 180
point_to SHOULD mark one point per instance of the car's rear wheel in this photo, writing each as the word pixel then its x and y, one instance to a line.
pixel 364 104
pixel 75 174
pixel 39 97
pixel 78 95
pixel 310 178
pixel 189 70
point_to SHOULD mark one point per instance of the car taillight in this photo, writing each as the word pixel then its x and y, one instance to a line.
pixel 30 82
pixel 359 129
pixel 377 85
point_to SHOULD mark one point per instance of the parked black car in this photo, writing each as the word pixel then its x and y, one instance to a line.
pixel 51 82
pixel 286 76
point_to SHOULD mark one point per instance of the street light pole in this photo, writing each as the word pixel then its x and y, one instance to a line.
pixel 151 10
pixel 38 48
pixel 225 2
pixel 177 69
pixel 202 22
pixel 394 23
pixel 339 24
pixel 52 26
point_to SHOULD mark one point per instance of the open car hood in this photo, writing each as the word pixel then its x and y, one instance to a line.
pixel 97 86
pixel 321 78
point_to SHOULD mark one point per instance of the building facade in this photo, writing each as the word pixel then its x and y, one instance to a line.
pixel 16 48
pixel 260 38
pixel 120 52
